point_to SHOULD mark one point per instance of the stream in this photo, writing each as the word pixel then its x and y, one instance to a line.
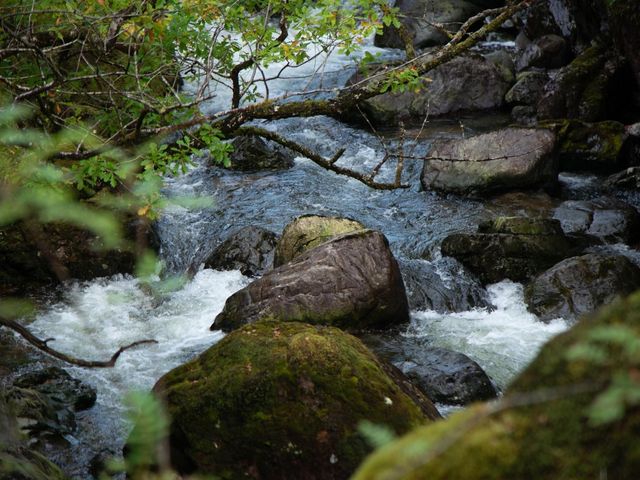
pixel 93 318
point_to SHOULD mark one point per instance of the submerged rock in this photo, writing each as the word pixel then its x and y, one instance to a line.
pixel 581 285
pixel 547 425
pixel 516 248
pixel 283 400
pixel 443 285
pixel 502 160
pixel 309 231
pixel 250 250
pixel 251 153
pixel 607 219
pixel 352 281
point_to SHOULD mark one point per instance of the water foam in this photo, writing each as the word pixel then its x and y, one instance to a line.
pixel 503 341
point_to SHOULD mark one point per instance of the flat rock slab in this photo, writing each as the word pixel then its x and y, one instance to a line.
pixel 506 159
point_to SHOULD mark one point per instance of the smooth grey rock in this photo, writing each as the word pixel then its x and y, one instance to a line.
pixel 506 159
pixel 607 219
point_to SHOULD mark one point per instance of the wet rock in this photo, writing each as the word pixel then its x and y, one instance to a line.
pixel 309 231
pixel 527 89
pixel 443 285
pixel 45 402
pixel 446 376
pixel 352 281
pixel 548 51
pixel 524 115
pixel 40 415
pixel 36 257
pixel 581 89
pixel 465 83
pixel 581 285
pixel 506 159
pixel 250 250
pixel 504 61
pixel 58 385
pixel 607 219
pixel 251 153
pixel 417 17
pixel 522 204
pixel 628 179
pixel 510 247
pixel 449 377
pixel 594 147
pixel 560 437
pixel 282 400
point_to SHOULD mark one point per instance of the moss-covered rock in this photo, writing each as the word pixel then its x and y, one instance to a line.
pixel 595 147
pixel 510 247
pixel 309 231
pixel 282 400
pixel 581 89
pixel 352 282
pixel 541 429
pixel 17 460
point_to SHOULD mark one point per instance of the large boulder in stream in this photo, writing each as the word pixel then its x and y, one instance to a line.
pixel 352 281
pixel 569 415
pixel 516 248
pixel 506 159
pixel 250 250
pixel 581 285
pixel 466 83
pixel 606 219
pixel 309 231
pixel 284 400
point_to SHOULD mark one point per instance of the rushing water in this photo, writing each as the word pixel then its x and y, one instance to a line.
pixel 93 319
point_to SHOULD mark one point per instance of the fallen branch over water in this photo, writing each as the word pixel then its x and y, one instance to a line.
pixel 44 346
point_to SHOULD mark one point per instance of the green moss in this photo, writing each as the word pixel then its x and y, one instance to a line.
pixel 309 231
pixel 282 400
pixel 590 146
pixel 547 436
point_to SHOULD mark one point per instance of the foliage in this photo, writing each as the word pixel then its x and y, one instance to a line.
pixel 616 347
